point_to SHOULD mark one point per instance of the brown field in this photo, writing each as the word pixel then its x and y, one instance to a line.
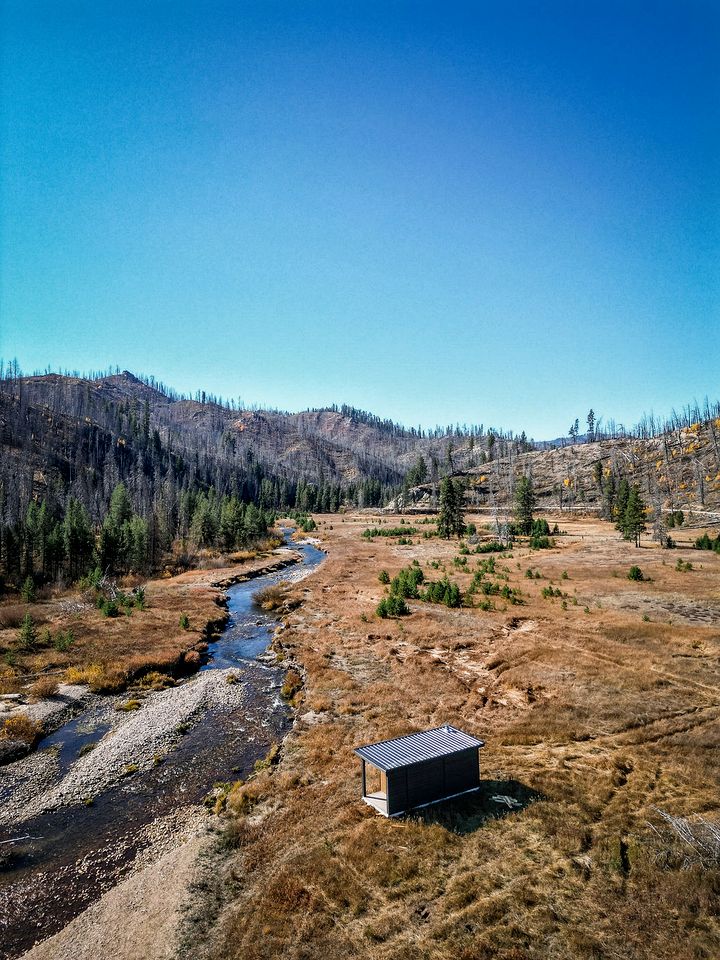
pixel 107 652
pixel 598 708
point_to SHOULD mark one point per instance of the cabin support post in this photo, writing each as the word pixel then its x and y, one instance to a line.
pixel 364 785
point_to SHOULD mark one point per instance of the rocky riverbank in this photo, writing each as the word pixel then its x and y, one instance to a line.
pixel 135 742
pixel 142 914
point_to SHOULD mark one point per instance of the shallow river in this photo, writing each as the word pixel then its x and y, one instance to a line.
pixel 78 852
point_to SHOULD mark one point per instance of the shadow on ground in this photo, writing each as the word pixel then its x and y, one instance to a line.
pixel 495 799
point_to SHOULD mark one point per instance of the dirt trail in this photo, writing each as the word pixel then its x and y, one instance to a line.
pixel 139 919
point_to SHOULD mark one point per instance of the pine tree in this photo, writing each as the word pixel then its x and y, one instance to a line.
pixel 448 508
pixel 609 493
pixel 138 543
pixel 120 505
pixel 78 538
pixel 524 505
pixel 451 518
pixel 459 513
pixel 622 496
pixel 634 516
pixel 591 425
pixel 27 591
pixel 28 634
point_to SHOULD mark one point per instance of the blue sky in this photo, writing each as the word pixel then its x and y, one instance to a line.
pixel 494 212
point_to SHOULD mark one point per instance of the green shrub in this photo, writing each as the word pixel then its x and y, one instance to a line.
pixel 443 591
pixel 369 533
pixel 406 583
pixel 635 574
pixel 707 543
pixel 129 705
pixel 292 685
pixel 490 546
pixel 541 543
pixel 540 528
pixel 392 606
pixel 63 640
pixel 184 621
pixel 384 576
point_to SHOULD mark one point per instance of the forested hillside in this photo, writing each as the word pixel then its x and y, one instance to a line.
pixel 117 470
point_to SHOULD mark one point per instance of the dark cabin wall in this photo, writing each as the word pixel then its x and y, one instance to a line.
pixel 432 780
pixel 462 771
pixel 397 791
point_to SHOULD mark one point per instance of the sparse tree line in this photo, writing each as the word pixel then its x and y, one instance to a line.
pixel 649 426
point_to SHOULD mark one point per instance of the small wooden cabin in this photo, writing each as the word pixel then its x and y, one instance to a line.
pixel 420 769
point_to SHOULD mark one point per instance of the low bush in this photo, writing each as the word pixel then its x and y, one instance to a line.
pixel 371 533
pixel 406 583
pixel 110 608
pixel 99 677
pixel 271 758
pixel 635 574
pixel 541 543
pixel 129 705
pixel 21 727
pixel 490 546
pixel 271 597
pixel 44 687
pixel 292 685
pixel 540 528
pixel 155 680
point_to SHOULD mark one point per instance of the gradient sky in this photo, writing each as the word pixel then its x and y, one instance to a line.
pixel 494 212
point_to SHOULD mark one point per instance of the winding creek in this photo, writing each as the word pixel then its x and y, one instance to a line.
pixel 81 848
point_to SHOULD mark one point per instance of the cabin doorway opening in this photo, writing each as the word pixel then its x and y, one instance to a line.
pixel 375 791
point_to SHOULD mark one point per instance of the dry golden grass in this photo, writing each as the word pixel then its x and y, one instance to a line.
pixel 44 687
pixel 271 597
pixel 108 652
pixel 21 727
pixel 600 716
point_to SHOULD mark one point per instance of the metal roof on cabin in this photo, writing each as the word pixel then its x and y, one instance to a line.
pixel 404 751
